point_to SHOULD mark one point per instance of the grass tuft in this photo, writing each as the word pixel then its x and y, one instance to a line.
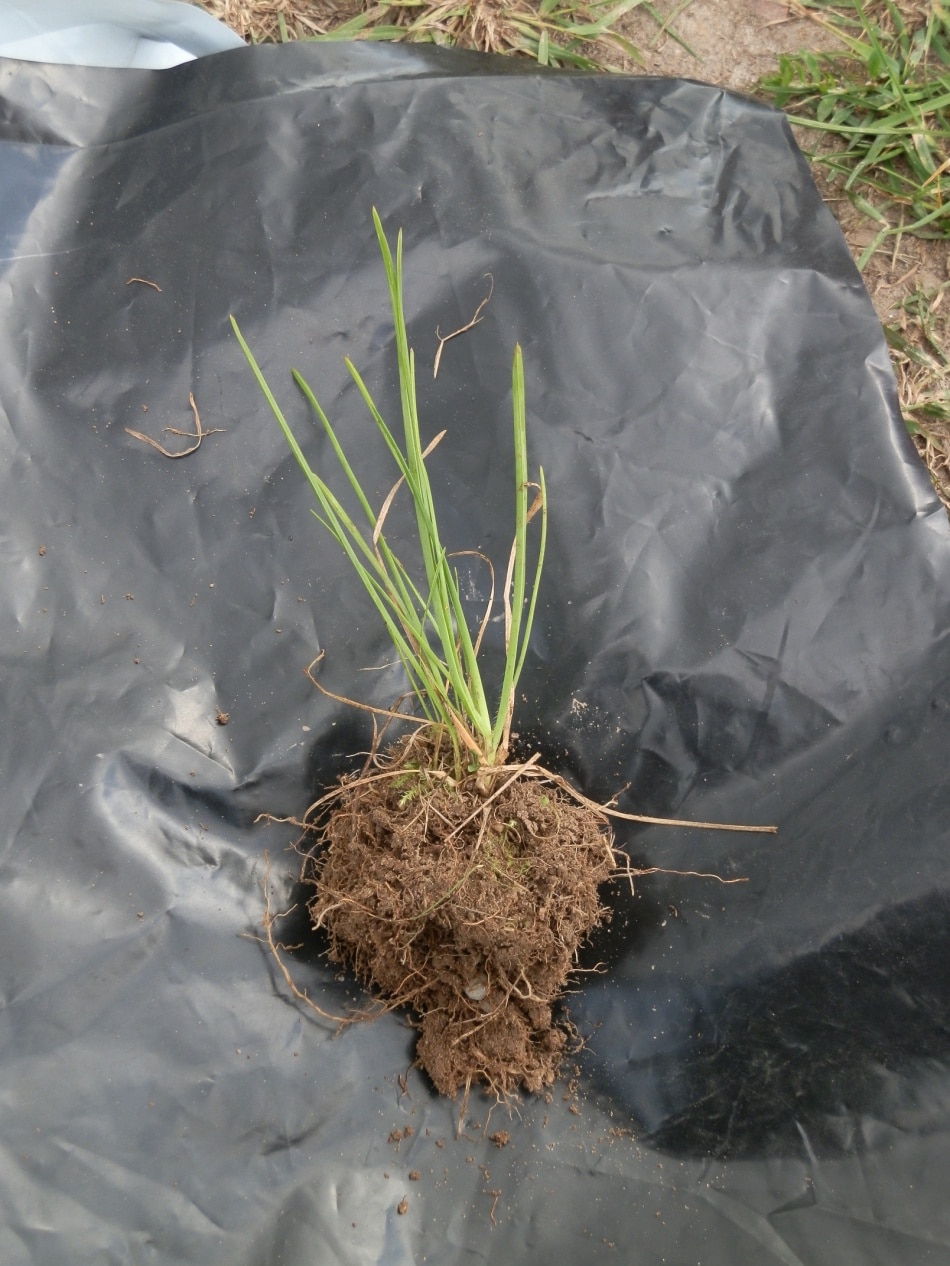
pixel 424 617
pixel 886 99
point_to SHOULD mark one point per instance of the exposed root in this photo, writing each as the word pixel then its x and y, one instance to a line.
pixel 390 768
pixel 270 917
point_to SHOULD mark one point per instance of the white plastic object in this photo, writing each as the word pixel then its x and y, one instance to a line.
pixel 150 34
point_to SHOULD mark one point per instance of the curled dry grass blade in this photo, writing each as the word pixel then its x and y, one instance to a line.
pixel 425 617
pixel 886 99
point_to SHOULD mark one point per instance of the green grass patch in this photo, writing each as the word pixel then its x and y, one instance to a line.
pixel 886 98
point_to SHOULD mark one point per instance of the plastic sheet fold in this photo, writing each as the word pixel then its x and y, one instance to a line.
pixel 743 618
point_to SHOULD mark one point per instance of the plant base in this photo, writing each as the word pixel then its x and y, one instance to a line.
pixel 467 908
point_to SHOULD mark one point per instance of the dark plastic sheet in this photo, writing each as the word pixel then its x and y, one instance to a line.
pixel 743 617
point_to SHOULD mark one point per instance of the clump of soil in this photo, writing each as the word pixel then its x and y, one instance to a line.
pixel 465 901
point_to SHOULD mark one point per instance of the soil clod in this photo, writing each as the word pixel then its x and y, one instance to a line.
pixel 467 908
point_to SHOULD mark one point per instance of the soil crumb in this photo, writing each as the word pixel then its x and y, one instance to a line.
pixel 466 902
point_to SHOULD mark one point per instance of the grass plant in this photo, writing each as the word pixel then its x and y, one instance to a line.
pixel 425 618
pixel 885 97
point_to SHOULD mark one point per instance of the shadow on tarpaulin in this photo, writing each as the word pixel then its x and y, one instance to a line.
pixel 743 618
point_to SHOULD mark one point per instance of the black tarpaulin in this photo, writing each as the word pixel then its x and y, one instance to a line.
pixel 743 618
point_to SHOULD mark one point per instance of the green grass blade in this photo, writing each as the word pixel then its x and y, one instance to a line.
pixel 335 443
pixel 536 582
pixel 372 573
pixel 408 594
pixel 446 609
pixel 514 642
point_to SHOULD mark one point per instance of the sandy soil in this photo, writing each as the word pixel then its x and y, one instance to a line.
pixel 736 42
